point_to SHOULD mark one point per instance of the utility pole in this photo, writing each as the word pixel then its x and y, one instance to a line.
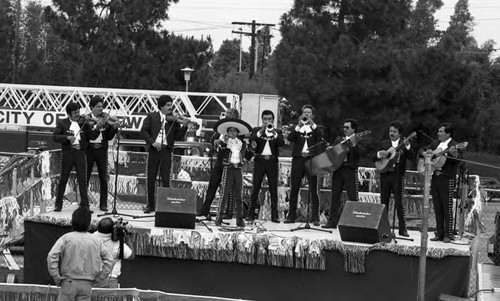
pixel 241 49
pixel 252 35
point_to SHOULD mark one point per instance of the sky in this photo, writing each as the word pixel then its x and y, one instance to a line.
pixel 200 18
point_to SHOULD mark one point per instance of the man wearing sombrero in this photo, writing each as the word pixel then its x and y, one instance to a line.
pixel 233 152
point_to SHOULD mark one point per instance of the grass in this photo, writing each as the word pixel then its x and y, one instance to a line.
pixel 484 158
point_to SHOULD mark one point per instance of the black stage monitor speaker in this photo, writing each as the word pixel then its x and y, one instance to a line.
pixel 175 207
pixel 364 222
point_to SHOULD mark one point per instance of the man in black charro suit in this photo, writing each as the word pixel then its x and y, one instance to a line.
pixel 264 143
pixel 73 133
pixel 160 130
pixel 346 175
pixel 392 177
pixel 98 149
pixel 443 182
pixel 306 134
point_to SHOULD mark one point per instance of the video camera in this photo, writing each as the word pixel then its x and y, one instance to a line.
pixel 120 230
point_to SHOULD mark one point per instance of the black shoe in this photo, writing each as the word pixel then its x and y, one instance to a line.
pixel 289 220
pixel 329 225
pixel 57 209
pixel 275 220
pixel 315 222
pixel 436 238
pixel 202 213
pixel 148 209
pixel 103 208
pixel 404 233
pixel 240 223
pixel 218 222
pixel 447 240
pixel 227 216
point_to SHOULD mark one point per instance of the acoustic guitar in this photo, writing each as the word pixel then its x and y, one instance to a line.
pixel 438 160
pixel 384 164
pixel 337 153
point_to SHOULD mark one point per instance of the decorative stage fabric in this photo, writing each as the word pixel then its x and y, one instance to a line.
pixel 264 248
pixel 211 271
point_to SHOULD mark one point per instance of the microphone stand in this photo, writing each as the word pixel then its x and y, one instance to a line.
pixel 307 226
pixel 114 212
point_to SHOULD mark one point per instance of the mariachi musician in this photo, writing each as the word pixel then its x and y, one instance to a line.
pixel 346 175
pixel 216 174
pixel 392 176
pixel 233 155
pixel 160 129
pixel 98 147
pixel 264 143
pixel 73 133
pixel 305 134
pixel 443 180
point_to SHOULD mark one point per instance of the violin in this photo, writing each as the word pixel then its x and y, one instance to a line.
pixel 103 119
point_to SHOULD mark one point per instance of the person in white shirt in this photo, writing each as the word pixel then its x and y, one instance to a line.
pixel 264 143
pixel 114 245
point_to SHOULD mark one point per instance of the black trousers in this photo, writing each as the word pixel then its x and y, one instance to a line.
pixel 270 169
pixel 344 177
pixel 297 173
pixel 442 188
pixel 70 158
pixel 161 160
pixel 392 182
pixel 99 156
pixel 232 179
pixel 213 185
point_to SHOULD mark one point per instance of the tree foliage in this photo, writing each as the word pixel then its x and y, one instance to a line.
pixel 7 35
pixel 382 60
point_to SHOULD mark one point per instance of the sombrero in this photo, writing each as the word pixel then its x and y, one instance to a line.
pixel 222 125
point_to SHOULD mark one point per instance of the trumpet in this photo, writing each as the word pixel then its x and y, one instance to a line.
pixel 304 120
pixel 270 126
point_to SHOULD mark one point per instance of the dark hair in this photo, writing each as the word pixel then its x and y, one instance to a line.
pixel 308 107
pixel 95 100
pixel 80 219
pixel 354 123
pixel 448 127
pixel 162 101
pixel 398 125
pixel 71 107
pixel 106 225
pixel 267 112
pixel 232 127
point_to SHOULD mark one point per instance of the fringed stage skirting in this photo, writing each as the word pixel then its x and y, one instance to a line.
pixel 266 248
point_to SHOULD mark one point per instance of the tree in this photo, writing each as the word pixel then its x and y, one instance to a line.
pixel 117 43
pixel 7 36
pixel 227 58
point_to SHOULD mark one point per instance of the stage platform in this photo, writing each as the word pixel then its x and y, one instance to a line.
pixel 266 261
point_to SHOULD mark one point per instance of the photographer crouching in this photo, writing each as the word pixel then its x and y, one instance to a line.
pixel 116 238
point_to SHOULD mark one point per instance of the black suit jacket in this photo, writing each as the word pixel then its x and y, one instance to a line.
pixel 151 128
pixel 61 133
pixel 108 133
pixel 298 139
pixel 355 152
pixel 450 167
pixel 274 143
pixel 225 152
pixel 405 153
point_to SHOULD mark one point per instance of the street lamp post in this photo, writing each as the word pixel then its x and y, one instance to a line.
pixel 187 76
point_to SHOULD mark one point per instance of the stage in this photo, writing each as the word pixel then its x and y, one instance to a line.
pixel 266 261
